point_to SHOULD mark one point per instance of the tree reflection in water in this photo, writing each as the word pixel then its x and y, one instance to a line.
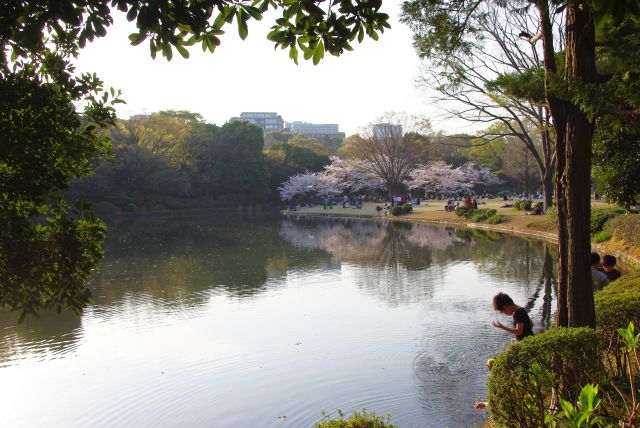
pixel 392 256
pixel 157 267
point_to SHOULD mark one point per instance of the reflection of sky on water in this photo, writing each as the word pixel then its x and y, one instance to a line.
pixel 285 317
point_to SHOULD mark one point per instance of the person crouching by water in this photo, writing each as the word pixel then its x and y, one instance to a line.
pixel 522 325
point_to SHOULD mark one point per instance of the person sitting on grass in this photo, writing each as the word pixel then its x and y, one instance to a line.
pixel 522 325
pixel 609 267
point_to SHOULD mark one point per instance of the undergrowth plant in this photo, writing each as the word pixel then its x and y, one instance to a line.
pixel 359 419
pixel 581 416
pixel 621 407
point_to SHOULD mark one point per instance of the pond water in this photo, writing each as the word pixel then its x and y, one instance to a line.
pixel 266 322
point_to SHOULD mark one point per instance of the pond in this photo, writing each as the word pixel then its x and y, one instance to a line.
pixel 268 322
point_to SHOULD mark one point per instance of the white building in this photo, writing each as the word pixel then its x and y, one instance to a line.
pixel 268 121
pixel 320 131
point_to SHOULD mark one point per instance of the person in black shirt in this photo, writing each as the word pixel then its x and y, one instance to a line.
pixel 522 325
pixel 609 267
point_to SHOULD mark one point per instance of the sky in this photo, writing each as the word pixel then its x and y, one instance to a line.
pixel 352 90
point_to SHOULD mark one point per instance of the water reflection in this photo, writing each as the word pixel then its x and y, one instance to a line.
pixel 395 314
pixel 176 264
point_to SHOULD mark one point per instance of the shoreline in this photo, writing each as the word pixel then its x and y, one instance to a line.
pixel 539 235
pixel 539 231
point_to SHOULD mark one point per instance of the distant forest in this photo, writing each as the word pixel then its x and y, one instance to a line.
pixel 175 160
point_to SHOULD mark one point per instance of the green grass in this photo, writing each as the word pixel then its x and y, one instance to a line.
pixel 603 235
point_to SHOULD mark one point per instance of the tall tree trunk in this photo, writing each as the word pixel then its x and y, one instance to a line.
pixel 576 178
pixel 527 176
pixel 561 209
pixel 558 113
pixel 546 166
pixel 547 188
pixel 574 132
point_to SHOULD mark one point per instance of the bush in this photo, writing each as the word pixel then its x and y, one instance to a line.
pixel 522 205
pixel 460 211
pixel 130 207
pixel 407 208
pixel 599 216
pixel 616 305
pixel 359 419
pixel 495 219
pixel 523 377
pixel 625 228
pixel 552 214
pixel 478 215
pixel 603 235
pixel 104 208
pixel 397 210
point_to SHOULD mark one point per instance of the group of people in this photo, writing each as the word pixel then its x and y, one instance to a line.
pixel 467 202
pixel 402 199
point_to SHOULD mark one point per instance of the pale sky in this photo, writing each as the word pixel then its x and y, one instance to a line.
pixel 352 90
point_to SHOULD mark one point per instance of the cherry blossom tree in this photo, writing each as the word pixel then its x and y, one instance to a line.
pixel 388 148
pixel 441 177
pixel 436 176
pixel 299 185
pixel 351 175
pixel 477 177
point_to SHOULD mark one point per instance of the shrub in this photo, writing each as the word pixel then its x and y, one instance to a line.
pixel 522 205
pixel 104 208
pixel 583 414
pixel 359 419
pixel 616 305
pixel 495 219
pixel 599 216
pixel 523 377
pixel 603 235
pixel 478 215
pixel 460 211
pixel 130 207
pixel 552 214
pixel 407 208
pixel 625 228
pixel 397 210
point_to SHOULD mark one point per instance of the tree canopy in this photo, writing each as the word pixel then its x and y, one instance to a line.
pixel 303 25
